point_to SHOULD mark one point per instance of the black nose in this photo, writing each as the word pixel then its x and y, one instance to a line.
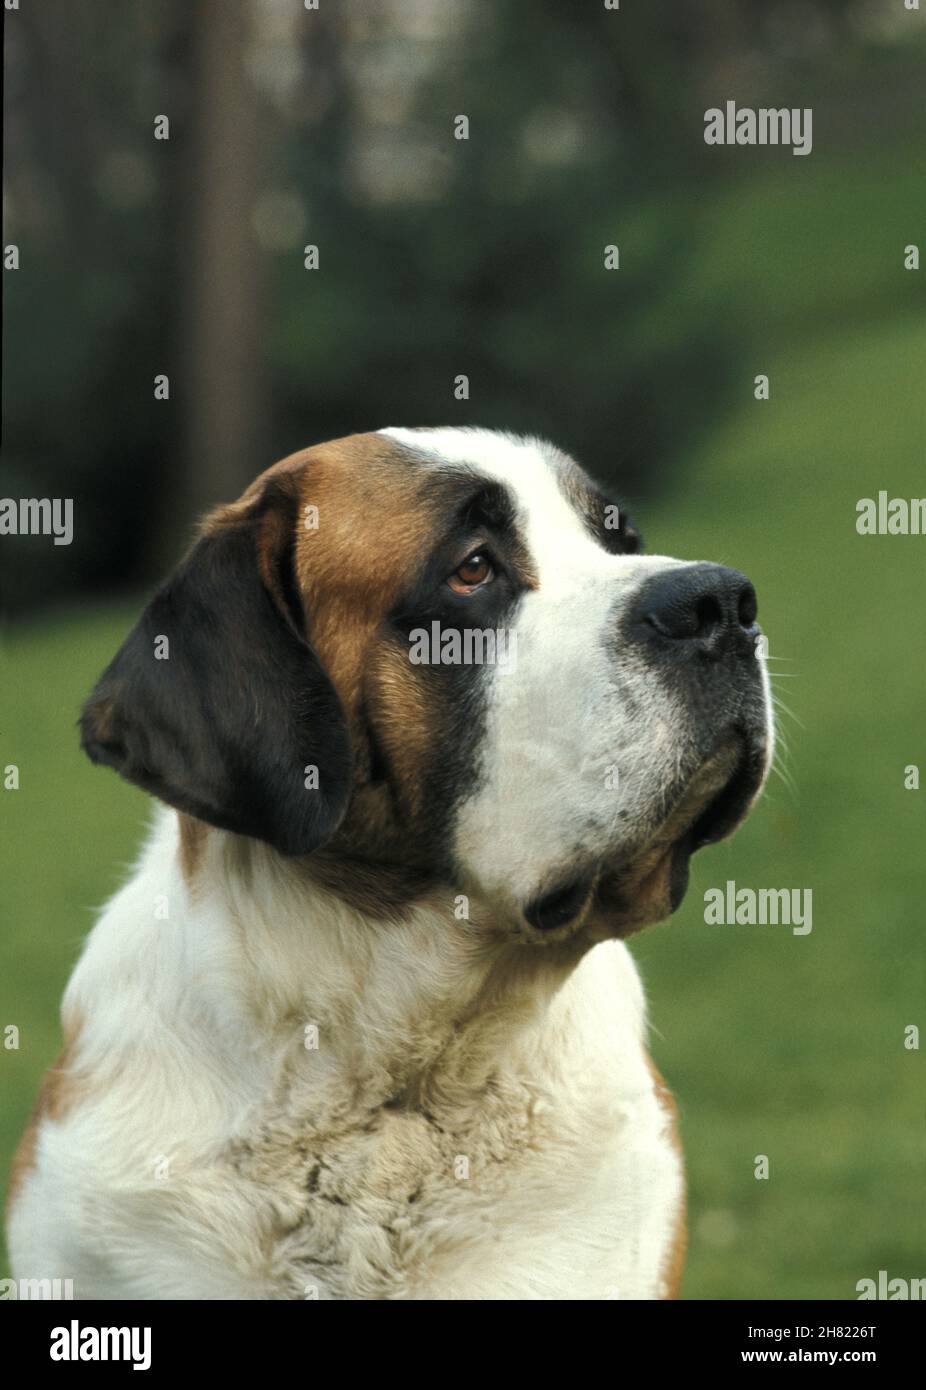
pixel 709 609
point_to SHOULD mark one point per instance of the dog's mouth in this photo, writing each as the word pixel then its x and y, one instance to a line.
pixel 653 883
pixel 729 806
pixel 619 897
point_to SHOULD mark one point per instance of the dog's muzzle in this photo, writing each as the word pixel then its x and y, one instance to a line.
pixel 694 627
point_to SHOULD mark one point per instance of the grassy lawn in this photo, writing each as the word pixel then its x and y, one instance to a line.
pixel 69 832
pixel 792 1046
pixel 778 1045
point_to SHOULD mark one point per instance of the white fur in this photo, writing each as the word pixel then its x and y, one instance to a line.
pixel 192 1050
pixel 577 707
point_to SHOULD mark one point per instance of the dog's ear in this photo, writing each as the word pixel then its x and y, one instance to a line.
pixel 216 701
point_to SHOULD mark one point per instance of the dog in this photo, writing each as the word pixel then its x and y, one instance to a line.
pixel 363 1023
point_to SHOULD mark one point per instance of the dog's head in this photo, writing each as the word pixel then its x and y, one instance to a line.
pixel 438 658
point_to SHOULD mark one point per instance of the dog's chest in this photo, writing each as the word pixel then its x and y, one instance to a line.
pixel 361 1212
pixel 518 1199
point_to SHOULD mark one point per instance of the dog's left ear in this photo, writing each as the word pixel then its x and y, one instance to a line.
pixel 216 702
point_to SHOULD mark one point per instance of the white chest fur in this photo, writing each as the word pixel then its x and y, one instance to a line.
pixel 275 1101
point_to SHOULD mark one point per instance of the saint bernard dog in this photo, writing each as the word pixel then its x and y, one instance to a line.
pixel 363 1023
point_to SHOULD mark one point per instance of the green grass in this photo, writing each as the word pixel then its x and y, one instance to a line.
pixel 786 1046
pixel 793 1046
pixel 68 835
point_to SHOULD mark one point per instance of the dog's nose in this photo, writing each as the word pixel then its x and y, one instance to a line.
pixel 701 609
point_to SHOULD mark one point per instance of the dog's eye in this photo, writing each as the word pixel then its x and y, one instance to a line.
pixel 475 572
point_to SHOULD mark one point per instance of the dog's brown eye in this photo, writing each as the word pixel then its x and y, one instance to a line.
pixel 475 571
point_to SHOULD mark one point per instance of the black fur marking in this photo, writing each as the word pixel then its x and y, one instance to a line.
pixel 597 512
pixel 623 539
pixel 481 516
pixel 560 906
pixel 225 727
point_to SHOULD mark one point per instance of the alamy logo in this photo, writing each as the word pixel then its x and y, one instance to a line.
pixel 38 516
pixel 749 907
pixel 471 646
pixel 891 1289
pixel 37 1290
pixel 768 125
pixel 893 516
pixel 76 1343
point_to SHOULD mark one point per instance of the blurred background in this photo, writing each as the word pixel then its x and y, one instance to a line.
pixel 334 128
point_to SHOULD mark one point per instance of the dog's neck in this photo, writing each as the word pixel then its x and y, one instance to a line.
pixel 401 1007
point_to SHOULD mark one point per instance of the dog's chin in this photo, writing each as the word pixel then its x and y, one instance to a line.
pixel 647 891
pixel 650 885
pixel 633 889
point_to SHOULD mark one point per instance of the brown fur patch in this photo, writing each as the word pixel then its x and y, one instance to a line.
pixel 193 836
pixel 377 522
pixel 381 891
pixel 381 509
pixel 59 1093
pixel 675 1261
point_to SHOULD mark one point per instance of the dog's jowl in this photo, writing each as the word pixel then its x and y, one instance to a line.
pixel 363 1023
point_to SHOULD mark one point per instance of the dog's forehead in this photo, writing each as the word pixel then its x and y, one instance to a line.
pixel 551 495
